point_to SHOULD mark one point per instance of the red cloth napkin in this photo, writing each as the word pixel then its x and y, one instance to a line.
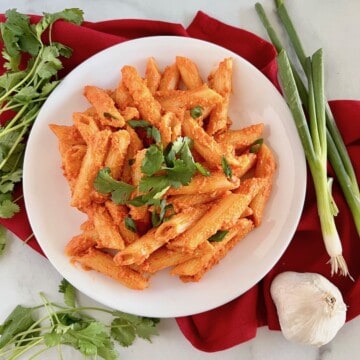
pixel 237 321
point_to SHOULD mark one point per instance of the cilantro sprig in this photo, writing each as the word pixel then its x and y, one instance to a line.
pixel 162 169
pixel 32 62
pixel 71 325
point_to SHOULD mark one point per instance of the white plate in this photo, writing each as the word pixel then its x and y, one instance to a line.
pixel 54 221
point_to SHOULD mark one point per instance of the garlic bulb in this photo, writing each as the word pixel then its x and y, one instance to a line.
pixel 310 308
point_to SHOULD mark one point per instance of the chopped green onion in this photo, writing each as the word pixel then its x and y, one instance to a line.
pixel 255 146
pixel 226 167
pixel 196 112
pixel 218 236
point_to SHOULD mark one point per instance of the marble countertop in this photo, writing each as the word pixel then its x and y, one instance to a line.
pixel 330 24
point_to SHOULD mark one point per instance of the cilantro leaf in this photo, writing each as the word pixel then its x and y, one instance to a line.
pixel 153 160
pixel 104 183
pixel 23 91
pixel 146 328
pixel 125 328
pixel 155 184
pixel 123 331
pixel 73 327
pixel 73 15
pixel 88 339
pixel 69 293
pixel 19 320
pixel 8 208
pixel 8 80
pixel 151 131
pixel 130 224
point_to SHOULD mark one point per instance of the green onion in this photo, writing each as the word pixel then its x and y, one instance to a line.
pixel 255 146
pixel 337 153
pixel 218 236
pixel 196 112
pixel 336 150
pixel 315 147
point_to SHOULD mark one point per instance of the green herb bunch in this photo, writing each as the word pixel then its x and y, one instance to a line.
pixel 24 332
pixel 31 66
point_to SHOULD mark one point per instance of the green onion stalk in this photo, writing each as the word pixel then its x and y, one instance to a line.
pixel 320 136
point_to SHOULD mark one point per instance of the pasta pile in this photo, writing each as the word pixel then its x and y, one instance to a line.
pixel 163 180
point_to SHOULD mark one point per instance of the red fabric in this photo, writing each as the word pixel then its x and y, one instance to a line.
pixel 237 321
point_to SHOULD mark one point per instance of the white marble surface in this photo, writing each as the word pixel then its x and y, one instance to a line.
pixel 330 24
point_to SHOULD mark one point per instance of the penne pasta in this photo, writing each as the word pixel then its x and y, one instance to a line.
pixel 149 108
pixel 86 125
pixel 189 72
pixel 103 262
pixel 170 78
pixel 172 100
pixel 265 168
pixel 90 166
pixel 141 249
pixel 108 233
pixel 194 269
pixel 207 184
pixel 203 186
pixel 152 75
pixel 221 81
pixel 119 143
pixel 104 106
pixel 242 139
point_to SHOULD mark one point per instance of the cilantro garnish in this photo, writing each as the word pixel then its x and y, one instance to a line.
pixel 130 224
pixel 32 62
pixel 120 191
pixel 162 169
pixel 24 329
pixel 152 132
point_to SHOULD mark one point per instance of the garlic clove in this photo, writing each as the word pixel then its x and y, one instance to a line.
pixel 310 308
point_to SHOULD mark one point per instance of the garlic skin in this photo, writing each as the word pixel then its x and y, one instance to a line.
pixel 310 308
